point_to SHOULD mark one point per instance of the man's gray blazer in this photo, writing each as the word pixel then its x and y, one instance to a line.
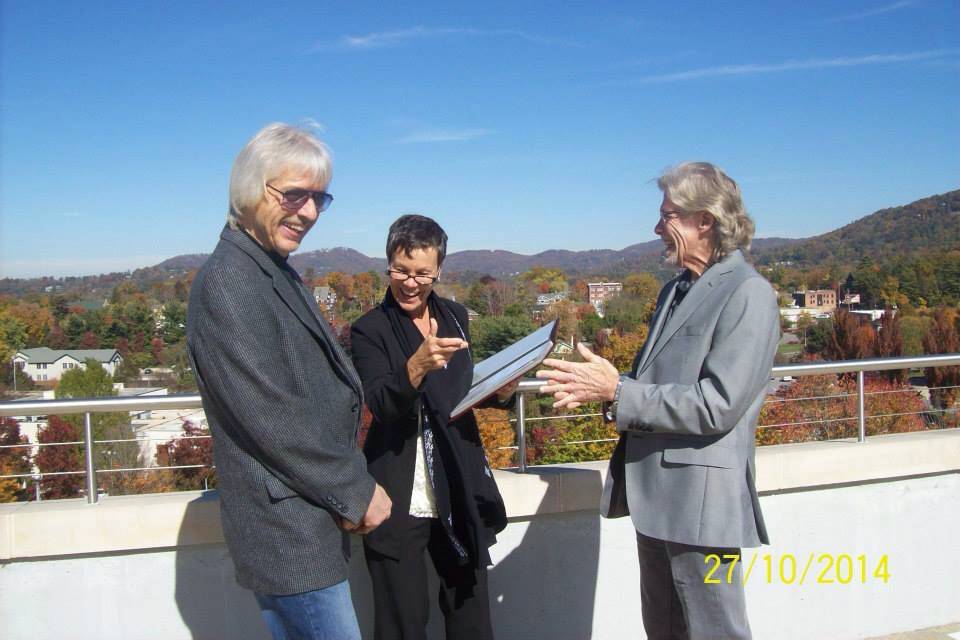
pixel 283 403
pixel 684 466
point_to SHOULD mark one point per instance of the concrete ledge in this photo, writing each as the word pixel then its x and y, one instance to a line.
pixel 117 523
pixel 158 521
pixel 819 464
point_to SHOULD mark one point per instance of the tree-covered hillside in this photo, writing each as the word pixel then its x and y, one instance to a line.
pixel 927 226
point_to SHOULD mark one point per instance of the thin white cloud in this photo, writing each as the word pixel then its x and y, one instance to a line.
pixel 443 135
pixel 383 39
pixel 876 11
pixel 796 65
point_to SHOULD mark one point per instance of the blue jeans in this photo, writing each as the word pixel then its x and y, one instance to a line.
pixel 324 614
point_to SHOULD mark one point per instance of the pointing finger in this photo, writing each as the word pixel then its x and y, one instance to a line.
pixel 455 343
pixel 433 326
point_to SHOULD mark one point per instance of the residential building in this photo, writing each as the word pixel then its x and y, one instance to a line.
pixel 601 291
pixel 793 313
pixel 820 299
pixel 874 316
pixel 546 299
pixel 160 426
pixel 325 295
pixel 562 348
pixel 43 364
pixel 31 425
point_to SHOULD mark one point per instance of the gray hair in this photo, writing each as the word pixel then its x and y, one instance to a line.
pixel 701 186
pixel 273 150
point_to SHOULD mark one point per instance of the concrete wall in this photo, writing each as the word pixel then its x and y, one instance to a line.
pixel 155 566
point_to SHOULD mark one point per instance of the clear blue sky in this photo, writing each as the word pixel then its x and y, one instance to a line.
pixel 518 126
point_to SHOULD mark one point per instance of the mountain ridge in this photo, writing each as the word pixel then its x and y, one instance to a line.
pixel 928 224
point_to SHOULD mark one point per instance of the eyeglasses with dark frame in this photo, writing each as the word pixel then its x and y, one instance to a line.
pixel 294 199
pixel 402 276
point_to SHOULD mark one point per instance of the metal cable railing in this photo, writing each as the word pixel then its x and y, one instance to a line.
pixel 528 386
pixel 859 367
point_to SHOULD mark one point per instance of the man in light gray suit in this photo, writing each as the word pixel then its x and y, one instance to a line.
pixel 282 399
pixel 684 466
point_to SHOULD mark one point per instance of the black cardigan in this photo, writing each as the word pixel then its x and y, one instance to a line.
pixel 470 494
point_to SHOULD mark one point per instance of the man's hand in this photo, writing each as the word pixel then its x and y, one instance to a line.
pixel 434 353
pixel 573 383
pixel 377 511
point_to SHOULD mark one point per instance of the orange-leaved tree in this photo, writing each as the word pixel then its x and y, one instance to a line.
pixel 852 339
pixel 498 436
pixel 60 458
pixel 194 449
pixel 889 343
pixel 942 337
pixel 823 407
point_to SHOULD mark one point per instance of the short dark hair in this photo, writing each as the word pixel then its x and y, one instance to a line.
pixel 413 231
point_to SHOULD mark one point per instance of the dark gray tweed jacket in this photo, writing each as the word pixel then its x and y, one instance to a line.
pixel 283 403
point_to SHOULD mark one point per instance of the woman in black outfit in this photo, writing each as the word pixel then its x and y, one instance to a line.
pixel 412 353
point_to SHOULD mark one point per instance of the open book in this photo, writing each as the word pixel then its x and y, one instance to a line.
pixel 507 365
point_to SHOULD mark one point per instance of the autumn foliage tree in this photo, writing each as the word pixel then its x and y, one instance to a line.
pixel 194 447
pixel 851 339
pixel 489 296
pixel 58 458
pixel 14 460
pixel 823 407
pixel 620 348
pixel 942 337
pixel 367 289
pixel 579 436
pixel 498 436
pixel 889 343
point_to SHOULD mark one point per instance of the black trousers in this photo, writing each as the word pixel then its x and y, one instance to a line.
pixel 400 600
pixel 680 599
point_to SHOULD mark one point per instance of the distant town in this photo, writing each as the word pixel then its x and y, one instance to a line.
pixel 885 286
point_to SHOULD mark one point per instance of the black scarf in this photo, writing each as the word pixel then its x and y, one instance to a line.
pixel 440 391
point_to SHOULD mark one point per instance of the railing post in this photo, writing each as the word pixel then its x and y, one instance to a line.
pixel 861 409
pixel 92 496
pixel 521 432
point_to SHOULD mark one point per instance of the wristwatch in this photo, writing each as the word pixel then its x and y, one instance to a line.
pixel 610 410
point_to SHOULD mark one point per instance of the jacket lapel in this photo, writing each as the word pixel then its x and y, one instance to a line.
pixel 314 321
pixel 698 295
pixel 656 325
pixel 298 300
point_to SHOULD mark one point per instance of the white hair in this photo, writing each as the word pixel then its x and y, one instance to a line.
pixel 273 150
pixel 701 186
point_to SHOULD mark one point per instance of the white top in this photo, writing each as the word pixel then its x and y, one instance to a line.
pixel 422 502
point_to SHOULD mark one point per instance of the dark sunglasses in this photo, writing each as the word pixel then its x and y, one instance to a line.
pixel 294 199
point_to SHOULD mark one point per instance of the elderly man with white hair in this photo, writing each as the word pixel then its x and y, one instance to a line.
pixel 683 468
pixel 282 398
